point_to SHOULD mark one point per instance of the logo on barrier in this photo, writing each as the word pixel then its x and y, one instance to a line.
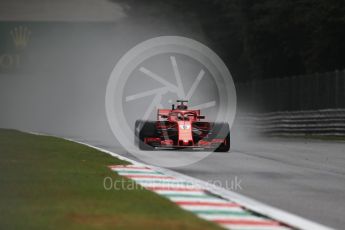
pixel 21 36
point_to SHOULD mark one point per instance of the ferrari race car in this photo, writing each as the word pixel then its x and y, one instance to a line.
pixel 180 128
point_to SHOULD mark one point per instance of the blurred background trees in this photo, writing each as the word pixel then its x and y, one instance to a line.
pixel 265 38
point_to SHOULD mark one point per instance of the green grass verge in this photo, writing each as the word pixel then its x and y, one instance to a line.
pixel 50 183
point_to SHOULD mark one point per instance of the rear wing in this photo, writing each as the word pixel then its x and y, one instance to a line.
pixel 164 113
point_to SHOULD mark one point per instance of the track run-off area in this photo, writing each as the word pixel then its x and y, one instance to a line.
pixel 303 177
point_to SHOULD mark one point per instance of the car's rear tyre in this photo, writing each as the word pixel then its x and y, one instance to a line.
pixel 224 147
pixel 144 129
pixel 221 130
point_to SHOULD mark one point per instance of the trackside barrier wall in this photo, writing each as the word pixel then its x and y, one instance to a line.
pixel 310 122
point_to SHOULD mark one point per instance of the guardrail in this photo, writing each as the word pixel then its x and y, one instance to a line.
pixel 311 122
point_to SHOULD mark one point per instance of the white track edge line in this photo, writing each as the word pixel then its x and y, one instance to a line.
pixel 275 213
pixel 254 205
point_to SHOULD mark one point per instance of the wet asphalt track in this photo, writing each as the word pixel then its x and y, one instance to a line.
pixel 304 177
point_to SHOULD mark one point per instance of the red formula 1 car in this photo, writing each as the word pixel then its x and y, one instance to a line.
pixel 180 128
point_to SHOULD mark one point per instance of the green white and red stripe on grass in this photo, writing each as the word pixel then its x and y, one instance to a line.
pixel 199 201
